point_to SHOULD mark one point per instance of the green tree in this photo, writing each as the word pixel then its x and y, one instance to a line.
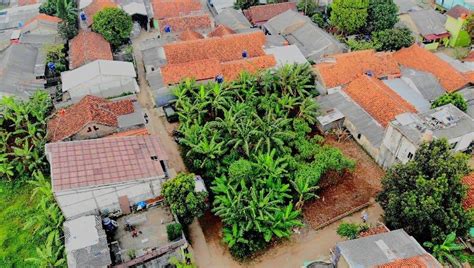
pixel 350 230
pixel 183 199
pixel 114 24
pixel 50 254
pixel 393 39
pixel 454 98
pixel 382 15
pixel 302 186
pixel 55 53
pixel 349 15
pixel 450 252
pixel 308 7
pixel 424 196
pixel 245 4
pixel 67 29
pixel 66 10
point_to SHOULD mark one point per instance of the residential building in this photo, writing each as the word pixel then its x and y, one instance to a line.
pixel 95 117
pixel 89 177
pixel 217 6
pixel 299 30
pixel 87 47
pixel 456 25
pixel 286 55
pixel 96 6
pixel 141 11
pixel 258 15
pixel 102 78
pixel 405 134
pixel 447 4
pixel 468 94
pixel 388 249
pixel 175 25
pixel 406 6
pixel 16 17
pixel 234 19
pixel 422 82
pixel 426 24
pixel 86 243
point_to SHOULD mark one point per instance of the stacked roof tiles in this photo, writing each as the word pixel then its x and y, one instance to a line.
pixel 90 109
pixel 180 15
pixel 96 6
pixel 469 182
pixel 87 47
pixel 258 15
pixel 204 59
pixel 420 261
pixel 220 31
pixel 190 35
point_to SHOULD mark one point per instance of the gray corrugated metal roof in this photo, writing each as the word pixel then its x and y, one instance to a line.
pixel 456 64
pixel 361 120
pixel 12 17
pixel 409 94
pixel 220 5
pixel 426 83
pixel 468 94
pixel 379 249
pixel 405 6
pixel 133 119
pixel 287 55
pixel 233 19
pixel 429 21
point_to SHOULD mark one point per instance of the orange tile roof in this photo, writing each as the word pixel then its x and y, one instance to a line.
pixel 192 22
pixel 174 8
pixel 129 133
pixel 220 31
pixel 261 14
pixel 231 70
pixel 43 17
pixel 198 70
pixel 226 48
pixel 346 67
pixel 87 47
pixel 420 261
pixel 470 76
pixel 190 35
pixel 374 230
pixel 469 182
pixel 377 99
pixel 96 6
pixel 27 2
pixel 418 58
pixel 70 121
pixel 470 57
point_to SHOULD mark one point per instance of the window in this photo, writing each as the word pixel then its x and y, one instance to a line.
pixel 96 128
pixel 154 158
pixel 89 129
pixel 359 136
pixel 410 155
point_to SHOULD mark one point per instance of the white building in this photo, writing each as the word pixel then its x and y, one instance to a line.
pixel 102 78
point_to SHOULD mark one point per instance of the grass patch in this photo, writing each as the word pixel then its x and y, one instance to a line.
pixel 16 207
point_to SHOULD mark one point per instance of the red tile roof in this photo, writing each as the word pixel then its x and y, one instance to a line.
pixel 90 163
pixel 87 47
pixel 192 22
pixel 469 182
pixel 470 76
pixel 220 31
pixel 27 2
pixel 470 57
pixel 232 69
pixel 421 59
pixel 420 261
pixel 198 70
pixel 130 133
pixel 90 109
pixel 374 230
pixel 45 18
pixel 260 14
pixel 96 6
pixel 458 11
pixel 190 35
pixel 226 48
pixel 174 8
pixel 341 69
pixel 377 99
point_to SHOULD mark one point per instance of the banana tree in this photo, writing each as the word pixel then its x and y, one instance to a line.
pixel 449 252
pixel 51 254
pixel 305 190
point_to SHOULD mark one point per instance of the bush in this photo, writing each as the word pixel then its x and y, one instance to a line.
pixel 55 53
pixel 318 18
pixel 114 24
pixel 350 230
pixel 355 44
pixel 67 29
pixel 174 231
pixel 455 99
pixel 393 39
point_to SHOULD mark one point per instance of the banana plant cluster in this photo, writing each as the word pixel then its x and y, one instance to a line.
pixel 22 134
pixel 251 140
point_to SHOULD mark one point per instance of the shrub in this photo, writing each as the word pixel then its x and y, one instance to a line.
pixel 114 24
pixel 174 231
pixel 318 18
pixel 350 230
pixel 455 99
pixel 393 39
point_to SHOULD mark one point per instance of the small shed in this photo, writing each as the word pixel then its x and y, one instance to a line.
pixel 331 119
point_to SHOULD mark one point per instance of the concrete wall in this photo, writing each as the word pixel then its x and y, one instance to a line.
pixel 463 142
pixel 104 86
pixel 92 131
pixel 395 148
pixel 96 199
pixel 362 140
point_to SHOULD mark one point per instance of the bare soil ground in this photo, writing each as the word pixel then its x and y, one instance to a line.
pixel 341 193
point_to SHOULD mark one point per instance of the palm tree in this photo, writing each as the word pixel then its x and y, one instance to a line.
pixel 66 10
pixel 304 189
pixel 308 110
pixel 449 251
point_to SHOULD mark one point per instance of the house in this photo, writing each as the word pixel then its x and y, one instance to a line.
pixel 176 25
pixel 409 93
pixel 406 6
pixel 96 6
pixel 468 94
pixel 163 9
pixel 234 19
pixel 87 47
pixel 456 25
pixel 102 78
pixel 89 177
pixel 335 71
pixel 16 17
pixel 95 117
pixel 447 4
pixel 418 58
pixel 86 243
pixel 217 6
pixel 141 11
pixel 405 134
pixel 258 15
pixel 299 30
pixel 286 55
pixel 426 24
pixel 422 82
pixel 389 249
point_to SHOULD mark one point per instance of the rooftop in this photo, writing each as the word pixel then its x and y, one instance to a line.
pixel 429 22
pixel 91 163
pixel 377 99
pixel 86 242
pixel 458 11
pixel 87 47
pixel 27 2
pixel 469 182
pixel 13 17
pixel 43 18
pixel 420 261
pixel 340 69
pixel 220 31
pixel 425 83
pixel 132 132
pixel 183 23
pixel 96 6
pixel 190 35
pixel 421 59
pixel 287 55
pixel 174 8
pixel 90 109
pixel 408 93
pixel 233 19
pixel 262 13
pixel 381 249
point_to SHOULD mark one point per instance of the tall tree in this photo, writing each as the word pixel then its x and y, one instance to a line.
pixel 424 196
pixel 393 39
pixel 114 24
pixel 66 10
pixel 349 15
pixel 382 15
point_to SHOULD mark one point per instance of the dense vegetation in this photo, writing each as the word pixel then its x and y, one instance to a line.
pixel 454 98
pixel 351 230
pixel 67 11
pixel 424 196
pixel 114 24
pixel 450 252
pixel 30 220
pixel 251 140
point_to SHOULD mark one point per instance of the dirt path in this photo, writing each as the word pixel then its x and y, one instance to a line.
pixel 157 123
